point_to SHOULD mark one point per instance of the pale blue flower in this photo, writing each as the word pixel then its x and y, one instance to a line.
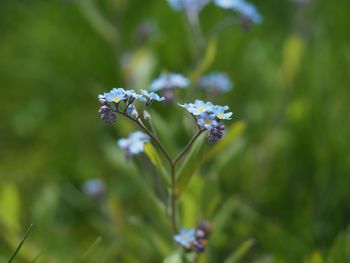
pixel 216 81
pixel 244 8
pixel 169 81
pixel 198 107
pixel 186 237
pixel 152 95
pixel 207 121
pixel 188 5
pixel 115 95
pixel 132 94
pixel 219 112
pixel 134 144
pixel 94 187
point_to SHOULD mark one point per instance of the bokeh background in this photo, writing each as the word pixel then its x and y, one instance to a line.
pixel 280 190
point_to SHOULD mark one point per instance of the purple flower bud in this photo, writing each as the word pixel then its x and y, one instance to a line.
pixel 102 102
pixel 200 234
pixel 107 115
pixel 198 246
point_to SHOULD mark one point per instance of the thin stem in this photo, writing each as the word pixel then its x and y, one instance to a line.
pixel 21 243
pixel 173 199
pixel 195 120
pixel 188 146
pixel 172 163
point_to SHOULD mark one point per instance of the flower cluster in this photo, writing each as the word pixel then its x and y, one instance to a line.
pixel 134 144
pixel 194 239
pixel 209 117
pixel 245 9
pixel 110 102
pixel 215 83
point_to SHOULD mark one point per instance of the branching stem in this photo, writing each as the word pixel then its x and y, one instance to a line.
pixel 172 163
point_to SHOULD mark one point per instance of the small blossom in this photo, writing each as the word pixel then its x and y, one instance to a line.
pixel 131 111
pixel 152 95
pixel 134 144
pixel 188 5
pixel 219 112
pixel 208 121
pixel 131 95
pixel 94 188
pixel 216 82
pixel 186 237
pixel 245 9
pixel 169 81
pixel 115 95
pixel 198 107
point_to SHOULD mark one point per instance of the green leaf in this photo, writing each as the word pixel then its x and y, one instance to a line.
pixel 207 60
pixel 10 206
pixel 235 130
pixel 152 154
pixel 20 244
pixel 241 251
pixel 190 165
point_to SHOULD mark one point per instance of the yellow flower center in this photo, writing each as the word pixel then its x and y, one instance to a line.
pixel 201 109
pixel 116 99
pixel 207 121
pixel 220 115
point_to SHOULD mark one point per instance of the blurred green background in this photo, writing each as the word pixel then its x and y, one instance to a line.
pixel 278 193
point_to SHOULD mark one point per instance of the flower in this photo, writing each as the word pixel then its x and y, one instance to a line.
pixel 188 5
pixel 208 121
pixel 219 112
pixel 169 81
pixel 131 95
pixel 186 237
pixel 115 95
pixel 198 107
pixel 245 9
pixel 94 188
pixel 216 81
pixel 132 112
pixel 134 144
pixel 152 95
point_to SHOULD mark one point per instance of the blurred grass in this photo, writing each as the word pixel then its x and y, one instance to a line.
pixel 284 181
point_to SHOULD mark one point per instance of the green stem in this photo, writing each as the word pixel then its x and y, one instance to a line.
pixel 21 243
pixel 172 163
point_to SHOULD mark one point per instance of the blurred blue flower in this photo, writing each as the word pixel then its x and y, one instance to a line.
pixel 198 107
pixel 216 81
pixel 115 95
pixel 134 144
pixel 219 112
pixel 207 121
pixel 188 5
pixel 152 95
pixel 186 237
pixel 94 188
pixel 244 8
pixel 169 81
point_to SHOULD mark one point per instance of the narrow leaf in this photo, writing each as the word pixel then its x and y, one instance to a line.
pixel 152 154
pixel 20 244
pixel 235 130
pixel 190 165
pixel 240 252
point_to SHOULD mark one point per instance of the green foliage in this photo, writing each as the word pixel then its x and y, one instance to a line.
pixel 279 177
